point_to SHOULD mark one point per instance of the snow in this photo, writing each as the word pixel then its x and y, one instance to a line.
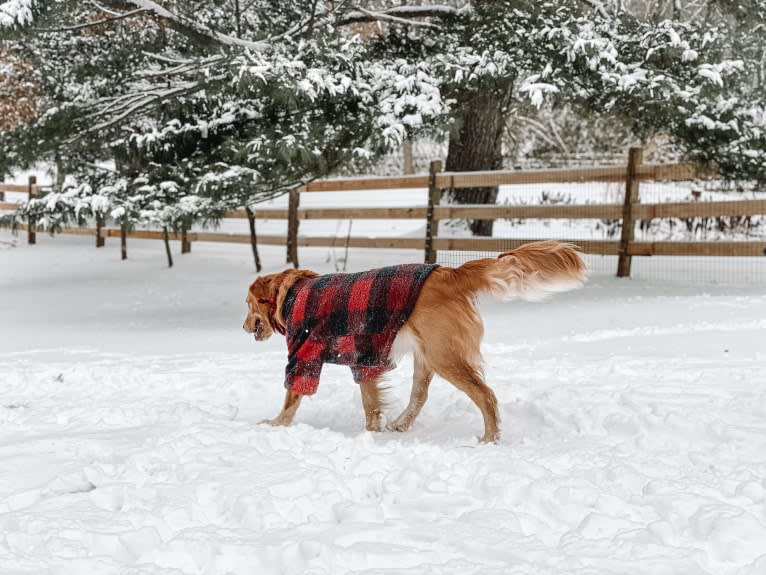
pixel 537 90
pixel 633 416
pixel 15 13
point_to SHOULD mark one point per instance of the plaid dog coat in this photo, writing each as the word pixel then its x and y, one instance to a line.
pixel 348 319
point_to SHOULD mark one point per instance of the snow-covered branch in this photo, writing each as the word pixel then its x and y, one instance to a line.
pixel 387 17
pixel 138 103
pixel 403 14
pixel 190 26
pixel 599 7
pixel 16 13
pixel 114 18
pixel 182 67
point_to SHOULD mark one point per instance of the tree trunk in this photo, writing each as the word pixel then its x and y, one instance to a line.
pixel 60 175
pixel 478 146
pixel 253 238
pixel 238 18
pixel 32 229
pixel 166 239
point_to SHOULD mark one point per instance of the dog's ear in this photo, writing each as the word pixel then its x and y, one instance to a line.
pixel 274 287
pixel 265 287
pixel 273 282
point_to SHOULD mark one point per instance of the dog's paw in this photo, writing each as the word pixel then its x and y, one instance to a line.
pixel 276 422
pixel 489 438
pixel 398 426
pixel 374 421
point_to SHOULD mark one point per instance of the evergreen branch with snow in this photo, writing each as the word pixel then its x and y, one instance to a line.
pixel 114 17
pixel 187 25
pixel 388 16
pixel 17 13
pixel 407 14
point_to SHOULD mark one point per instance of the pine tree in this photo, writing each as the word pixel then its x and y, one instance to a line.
pixel 235 109
pixel 686 79
pixel 237 106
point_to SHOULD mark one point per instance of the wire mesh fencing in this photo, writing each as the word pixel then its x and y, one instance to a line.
pixel 683 228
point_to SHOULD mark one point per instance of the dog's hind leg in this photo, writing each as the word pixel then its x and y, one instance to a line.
pixel 285 417
pixel 469 378
pixel 372 396
pixel 421 379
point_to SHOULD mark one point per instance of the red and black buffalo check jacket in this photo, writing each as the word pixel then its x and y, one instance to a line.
pixel 348 319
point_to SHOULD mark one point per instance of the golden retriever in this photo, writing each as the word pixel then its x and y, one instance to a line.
pixel 444 329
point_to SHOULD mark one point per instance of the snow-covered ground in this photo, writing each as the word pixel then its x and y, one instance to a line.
pixel 633 416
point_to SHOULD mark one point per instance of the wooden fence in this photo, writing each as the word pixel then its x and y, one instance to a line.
pixel 630 211
pixel 31 189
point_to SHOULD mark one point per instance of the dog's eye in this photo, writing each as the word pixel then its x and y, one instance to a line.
pixel 263 301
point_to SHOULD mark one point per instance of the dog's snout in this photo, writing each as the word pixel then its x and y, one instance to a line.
pixel 258 328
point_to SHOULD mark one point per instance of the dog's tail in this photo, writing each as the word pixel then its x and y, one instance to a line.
pixel 530 272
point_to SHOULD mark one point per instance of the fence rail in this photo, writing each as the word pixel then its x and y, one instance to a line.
pixel 593 247
pixel 629 212
pixel 485 212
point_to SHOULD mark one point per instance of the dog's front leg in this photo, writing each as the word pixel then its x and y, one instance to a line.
pixel 368 379
pixel 292 401
pixel 371 401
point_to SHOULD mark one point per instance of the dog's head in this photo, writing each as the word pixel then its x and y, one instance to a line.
pixel 262 307
pixel 264 302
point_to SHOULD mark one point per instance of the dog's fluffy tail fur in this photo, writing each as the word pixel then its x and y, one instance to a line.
pixel 530 272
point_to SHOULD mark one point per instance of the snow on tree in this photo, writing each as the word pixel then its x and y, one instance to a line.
pixel 239 109
pixel 659 77
pixel 15 13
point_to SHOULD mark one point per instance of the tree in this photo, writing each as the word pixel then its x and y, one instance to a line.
pixel 686 80
pixel 243 108
pixel 237 106
pixel 485 102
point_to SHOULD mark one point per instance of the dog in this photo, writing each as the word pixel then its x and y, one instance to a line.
pixel 370 319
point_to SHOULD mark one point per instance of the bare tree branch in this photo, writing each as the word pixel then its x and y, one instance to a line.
pixel 598 6
pixel 167 59
pixel 543 132
pixel 99 167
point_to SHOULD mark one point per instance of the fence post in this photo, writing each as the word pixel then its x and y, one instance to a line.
pixel 31 230
pixel 635 157
pixel 407 153
pixel 292 226
pixel 185 243
pixel 99 228
pixel 434 197
pixel 123 239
